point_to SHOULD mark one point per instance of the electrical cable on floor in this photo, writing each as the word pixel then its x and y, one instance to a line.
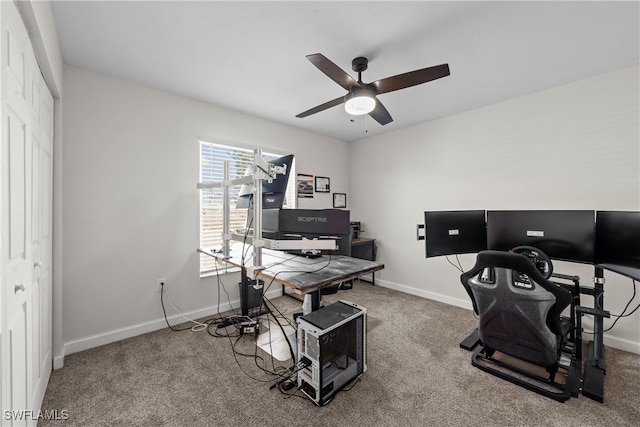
pixel 199 326
pixel 296 388
pixel 286 337
pixel 162 291
pixel 255 356
pixel 221 285
pixel 282 316
pixel 264 301
pixel 234 352
pixel 269 312
pixel 221 319
pixel 278 372
pixel 353 384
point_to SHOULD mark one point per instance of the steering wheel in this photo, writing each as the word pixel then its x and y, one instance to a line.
pixel 538 258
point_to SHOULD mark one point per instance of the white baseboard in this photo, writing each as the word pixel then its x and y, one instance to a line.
pixel 131 331
pixel 426 294
pixel 58 360
pixel 609 341
pixel 622 344
pixel 143 328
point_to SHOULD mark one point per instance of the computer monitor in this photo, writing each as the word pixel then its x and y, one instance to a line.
pixel 455 232
pixel 566 235
pixel 295 224
pixel 273 193
pixel 618 242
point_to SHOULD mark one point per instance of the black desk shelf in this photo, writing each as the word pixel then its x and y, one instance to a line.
pixel 365 248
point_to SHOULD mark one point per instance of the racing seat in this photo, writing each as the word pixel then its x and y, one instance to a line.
pixel 521 330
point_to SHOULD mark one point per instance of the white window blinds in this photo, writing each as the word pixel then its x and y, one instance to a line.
pixel 212 158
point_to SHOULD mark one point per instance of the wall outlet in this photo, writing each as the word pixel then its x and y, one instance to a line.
pixel 161 283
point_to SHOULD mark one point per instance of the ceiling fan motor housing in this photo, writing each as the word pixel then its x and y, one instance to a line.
pixel 359 64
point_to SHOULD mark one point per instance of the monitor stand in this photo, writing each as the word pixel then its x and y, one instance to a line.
pixel 471 341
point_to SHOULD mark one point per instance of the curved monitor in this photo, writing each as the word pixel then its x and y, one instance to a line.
pixel 272 192
pixel 455 232
pixel 563 235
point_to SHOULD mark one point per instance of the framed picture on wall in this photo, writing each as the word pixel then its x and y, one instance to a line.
pixel 322 184
pixel 339 200
pixel 305 185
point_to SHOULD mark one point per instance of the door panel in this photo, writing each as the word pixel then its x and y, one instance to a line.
pixel 18 360
pixel 17 187
pixel 46 242
pixel 26 110
pixel 42 244
pixel 18 353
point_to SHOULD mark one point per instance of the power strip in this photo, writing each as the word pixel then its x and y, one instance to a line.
pixel 250 328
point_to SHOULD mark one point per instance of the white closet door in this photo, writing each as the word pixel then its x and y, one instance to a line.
pixel 26 108
pixel 42 245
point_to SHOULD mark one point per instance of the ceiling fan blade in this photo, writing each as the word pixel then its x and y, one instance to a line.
pixel 380 113
pixel 334 72
pixel 412 78
pixel 322 107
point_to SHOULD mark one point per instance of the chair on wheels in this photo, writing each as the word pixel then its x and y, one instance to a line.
pixel 520 326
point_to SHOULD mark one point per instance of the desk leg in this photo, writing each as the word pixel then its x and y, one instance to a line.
pixel 593 382
pixel 245 284
pixel 244 292
pixel 316 297
pixel 373 278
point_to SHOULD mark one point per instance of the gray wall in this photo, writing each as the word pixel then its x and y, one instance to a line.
pixel 130 166
pixel 572 147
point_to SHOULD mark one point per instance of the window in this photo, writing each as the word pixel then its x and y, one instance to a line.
pixel 212 158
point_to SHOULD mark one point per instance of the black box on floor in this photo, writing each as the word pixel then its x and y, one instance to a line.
pixel 254 296
pixel 332 341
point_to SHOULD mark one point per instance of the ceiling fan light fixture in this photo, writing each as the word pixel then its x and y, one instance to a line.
pixel 359 102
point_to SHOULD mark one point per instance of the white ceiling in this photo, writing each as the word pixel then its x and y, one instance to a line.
pixel 250 56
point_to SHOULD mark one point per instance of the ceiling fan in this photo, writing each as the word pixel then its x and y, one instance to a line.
pixel 361 97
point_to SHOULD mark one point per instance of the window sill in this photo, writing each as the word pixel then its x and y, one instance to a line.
pixel 219 272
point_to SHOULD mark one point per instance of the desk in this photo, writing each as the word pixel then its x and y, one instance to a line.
pixel 304 275
pixel 364 248
pixel 631 272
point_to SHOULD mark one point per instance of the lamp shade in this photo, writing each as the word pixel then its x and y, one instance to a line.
pixel 359 102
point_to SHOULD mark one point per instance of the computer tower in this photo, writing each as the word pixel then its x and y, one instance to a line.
pixel 332 342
